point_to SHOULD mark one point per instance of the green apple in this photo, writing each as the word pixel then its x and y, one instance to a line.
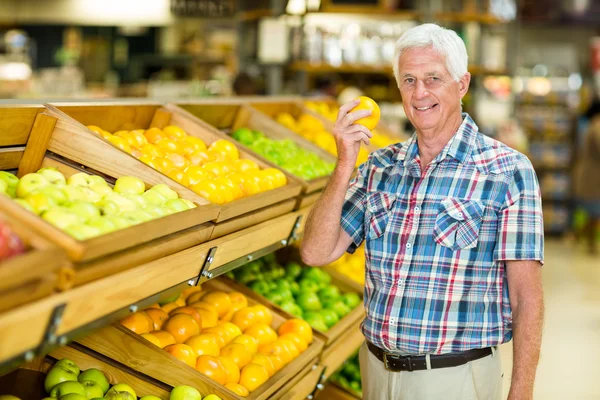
pixel 3 187
pixel 80 179
pixel 69 364
pixel 85 210
pixel 61 217
pixel 40 202
pixel 67 387
pixel 124 204
pixel 23 203
pixel 119 221
pixel 83 232
pixel 53 175
pixel 73 396
pixel 11 179
pixel 89 195
pixel 122 387
pixel 177 205
pixel 166 191
pixel 29 183
pixel 97 376
pixel 137 216
pixel 212 397
pixel 101 188
pixel 92 389
pixel 148 398
pixel 154 197
pixel 74 193
pixel 185 393
pixel 114 395
pixel 54 192
pixel 9 397
pixel 137 198
pixel 96 180
pixel 129 184
pixel 189 203
pixel 103 223
pixel 108 207
pixel 156 211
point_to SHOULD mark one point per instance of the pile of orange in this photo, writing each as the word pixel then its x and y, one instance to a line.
pixel 222 337
pixel 215 172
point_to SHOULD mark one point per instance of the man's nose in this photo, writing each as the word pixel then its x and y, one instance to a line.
pixel 420 89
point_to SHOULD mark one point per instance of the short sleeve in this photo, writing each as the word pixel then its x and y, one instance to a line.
pixel 353 210
pixel 521 224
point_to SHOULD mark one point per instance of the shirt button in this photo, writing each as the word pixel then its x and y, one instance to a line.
pixel 392 320
pixel 408 245
pixel 417 210
pixel 400 282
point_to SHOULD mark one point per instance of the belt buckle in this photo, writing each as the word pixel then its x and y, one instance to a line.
pixel 385 362
pixel 409 365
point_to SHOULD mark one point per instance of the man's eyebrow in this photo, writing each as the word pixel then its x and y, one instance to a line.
pixel 432 73
pixel 406 74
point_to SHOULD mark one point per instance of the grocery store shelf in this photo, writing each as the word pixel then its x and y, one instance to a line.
pixel 254 15
pixel 343 348
pixel 322 68
pixel 35 328
pixel 483 18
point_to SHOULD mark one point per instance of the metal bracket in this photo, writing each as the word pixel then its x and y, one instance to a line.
pixel 49 338
pixel 319 386
pixel 296 226
pixel 204 273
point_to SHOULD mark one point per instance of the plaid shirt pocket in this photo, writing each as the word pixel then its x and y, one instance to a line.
pixel 379 205
pixel 458 222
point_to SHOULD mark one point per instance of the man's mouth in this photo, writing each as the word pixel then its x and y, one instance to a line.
pixel 425 108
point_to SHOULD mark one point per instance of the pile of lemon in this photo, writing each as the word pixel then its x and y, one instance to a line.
pixel 215 172
pixel 352 265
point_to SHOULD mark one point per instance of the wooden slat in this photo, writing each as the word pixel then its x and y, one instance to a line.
pixel 308 200
pixel 10 157
pixel 332 392
pixel 16 122
pixel 114 372
pixel 37 144
pixel 334 356
pixel 160 119
pixel 301 386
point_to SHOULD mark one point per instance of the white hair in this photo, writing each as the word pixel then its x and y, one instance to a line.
pixel 445 41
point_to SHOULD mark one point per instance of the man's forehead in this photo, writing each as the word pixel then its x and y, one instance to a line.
pixel 426 61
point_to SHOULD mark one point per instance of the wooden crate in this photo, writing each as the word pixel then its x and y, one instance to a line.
pixel 230 117
pixel 123 346
pixel 334 392
pixel 113 117
pixel 302 385
pixel 356 315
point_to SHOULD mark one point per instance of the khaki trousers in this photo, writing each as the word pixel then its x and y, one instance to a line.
pixel 477 380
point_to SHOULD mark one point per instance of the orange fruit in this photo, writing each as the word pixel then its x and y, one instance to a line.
pixel 170 307
pixel 169 145
pixel 212 368
pixel 250 186
pixel 180 300
pixel 252 376
pixel 95 129
pixel 120 143
pixel 178 160
pixel 196 173
pixel 220 300
pixel 221 334
pixel 163 164
pixel 265 361
pixel 158 317
pixel 209 318
pixel 262 332
pixel 366 103
pixel 290 346
pixel 204 343
pixel 120 133
pixel 277 362
pixel 174 132
pixel 227 148
pixel 278 177
pixel 217 155
pixel 244 318
pixel 199 157
pixel 250 342
pixel 234 191
pixel 178 176
pixel 238 353
pixel 205 305
pixel 217 168
pixel 231 369
pixel 190 291
pixel 298 326
pixel 245 165
pixel 189 311
pixel 182 327
pixel 105 134
pixel 136 152
pixel 231 330
pixel 197 143
pixel 209 190
pixel 138 322
pixel 263 314
pixel 237 389
pixel 153 135
pixel 195 296
pixel 148 160
pixel 298 340
pixel 151 150
pixel 155 305
pixel 182 352
pixel 134 138
pixel 277 348
pixel 152 339
pixel 186 148
pixel 164 337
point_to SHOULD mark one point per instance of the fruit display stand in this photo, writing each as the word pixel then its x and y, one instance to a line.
pixel 334 392
pixel 130 349
pixel 127 116
pixel 228 117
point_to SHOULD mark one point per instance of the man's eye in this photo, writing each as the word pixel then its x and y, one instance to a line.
pixel 409 80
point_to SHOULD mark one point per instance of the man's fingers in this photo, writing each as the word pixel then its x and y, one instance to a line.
pixel 359 128
pixel 352 117
pixel 346 108
pixel 356 136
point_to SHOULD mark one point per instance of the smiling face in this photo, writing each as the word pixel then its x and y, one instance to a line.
pixel 431 98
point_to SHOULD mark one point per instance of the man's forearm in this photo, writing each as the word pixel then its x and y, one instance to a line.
pixel 528 319
pixel 322 229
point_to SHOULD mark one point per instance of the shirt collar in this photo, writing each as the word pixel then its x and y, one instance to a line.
pixel 459 147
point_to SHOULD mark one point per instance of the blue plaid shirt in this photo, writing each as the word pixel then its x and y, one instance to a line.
pixel 437 241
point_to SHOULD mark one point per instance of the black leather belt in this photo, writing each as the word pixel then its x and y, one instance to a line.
pixel 414 363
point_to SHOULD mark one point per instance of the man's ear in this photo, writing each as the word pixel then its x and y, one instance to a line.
pixel 463 84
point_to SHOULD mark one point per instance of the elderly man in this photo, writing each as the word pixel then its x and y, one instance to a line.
pixel 452 222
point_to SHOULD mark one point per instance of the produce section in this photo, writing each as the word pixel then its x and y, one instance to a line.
pixel 131 252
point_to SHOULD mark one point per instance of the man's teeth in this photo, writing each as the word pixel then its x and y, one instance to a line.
pixel 423 108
